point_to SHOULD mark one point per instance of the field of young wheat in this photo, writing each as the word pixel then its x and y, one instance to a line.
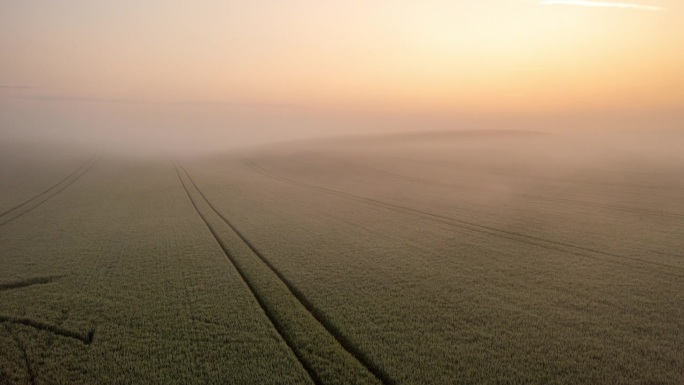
pixel 503 259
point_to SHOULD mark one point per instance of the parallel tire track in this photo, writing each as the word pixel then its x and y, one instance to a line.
pixel 29 205
pixel 512 175
pixel 258 298
pixel 334 331
pixel 320 347
pixel 29 282
pixel 549 244
pixel 624 208
pixel 30 373
pixel 87 339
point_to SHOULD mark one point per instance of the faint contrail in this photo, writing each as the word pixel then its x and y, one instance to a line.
pixel 603 4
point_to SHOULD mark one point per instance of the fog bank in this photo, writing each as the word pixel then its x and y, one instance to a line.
pixel 141 128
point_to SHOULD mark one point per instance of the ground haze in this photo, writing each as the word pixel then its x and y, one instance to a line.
pixel 442 257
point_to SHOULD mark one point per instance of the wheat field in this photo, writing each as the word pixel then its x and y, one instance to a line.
pixel 428 259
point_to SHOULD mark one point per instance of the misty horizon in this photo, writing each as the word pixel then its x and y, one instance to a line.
pixel 342 192
pixel 227 74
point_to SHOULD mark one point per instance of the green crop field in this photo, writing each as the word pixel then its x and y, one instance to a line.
pixel 427 259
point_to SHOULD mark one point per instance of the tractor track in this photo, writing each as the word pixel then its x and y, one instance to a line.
pixel 378 375
pixel 29 282
pixel 548 244
pixel 46 195
pixel 30 373
pixel 574 202
pixel 87 339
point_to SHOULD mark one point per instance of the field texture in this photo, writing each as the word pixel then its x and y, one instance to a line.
pixel 502 259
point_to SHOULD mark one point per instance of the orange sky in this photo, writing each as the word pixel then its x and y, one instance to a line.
pixel 276 68
pixel 482 55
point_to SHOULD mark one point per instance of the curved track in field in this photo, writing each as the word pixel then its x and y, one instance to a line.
pixel 29 282
pixel 87 338
pixel 573 202
pixel 23 208
pixel 577 250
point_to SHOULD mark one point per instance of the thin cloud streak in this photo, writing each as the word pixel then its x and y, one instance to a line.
pixel 89 99
pixel 604 4
pixel 21 87
pixel 17 87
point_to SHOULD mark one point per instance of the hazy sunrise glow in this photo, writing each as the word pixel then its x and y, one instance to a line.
pixel 604 4
pixel 435 57
pixel 326 192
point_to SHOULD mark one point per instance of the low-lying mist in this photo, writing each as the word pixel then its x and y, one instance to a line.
pixel 131 128
pixel 482 247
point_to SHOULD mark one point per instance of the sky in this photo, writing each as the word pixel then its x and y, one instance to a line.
pixel 268 70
